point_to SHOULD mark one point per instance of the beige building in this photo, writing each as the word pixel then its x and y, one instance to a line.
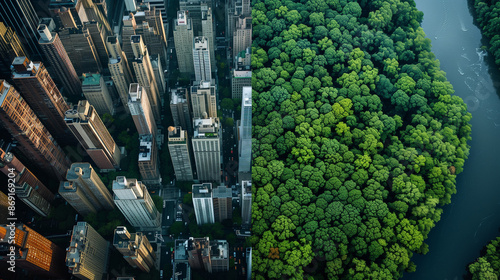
pixel 149 165
pixel 119 69
pixel 207 149
pixel 10 48
pixel 135 248
pixel 179 107
pixel 204 100
pixel 179 146
pixel 201 59
pixel 207 30
pixel 96 92
pixel 223 198
pixel 140 110
pixel 242 35
pixel 183 40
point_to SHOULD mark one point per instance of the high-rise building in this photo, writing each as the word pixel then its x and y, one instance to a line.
pixel 99 34
pixel 27 194
pixel 130 6
pixel 33 252
pixel 207 27
pixel 128 30
pixel 242 35
pixel 149 165
pixel 206 148
pixel 209 255
pixel 39 90
pixel 76 196
pixel 203 203
pixel 80 49
pixel 35 142
pixel 245 132
pixel 135 248
pixel 88 253
pixel 158 72
pixel 96 91
pixel 219 256
pixel 241 75
pixel 135 203
pixel 246 202
pixel 204 100
pixel 145 76
pixel 140 110
pixel 183 40
pixel 178 146
pixel 119 69
pixel 10 48
pixel 152 29
pixel 179 107
pixel 201 59
pixel 195 8
pixel 60 63
pixel 83 176
pixel 20 15
pixel 223 207
pixel 93 135
pixel 159 5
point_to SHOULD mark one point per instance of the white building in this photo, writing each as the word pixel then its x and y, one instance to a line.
pixel 203 203
pixel 246 202
pixel 201 59
pixel 206 148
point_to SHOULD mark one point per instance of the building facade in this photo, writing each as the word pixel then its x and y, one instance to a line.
pixel 204 100
pixel 10 48
pixel 207 149
pixel 245 131
pixel 81 50
pixel 135 248
pixel 246 202
pixel 207 30
pixel 119 69
pixel 140 110
pixel 223 203
pixel 149 165
pixel 183 40
pixel 178 146
pixel 203 203
pixel 242 35
pixel 179 107
pixel 201 59
pixel 96 92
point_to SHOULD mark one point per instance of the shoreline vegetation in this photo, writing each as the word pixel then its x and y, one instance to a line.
pixel 358 139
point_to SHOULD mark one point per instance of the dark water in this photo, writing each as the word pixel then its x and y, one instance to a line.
pixel 473 217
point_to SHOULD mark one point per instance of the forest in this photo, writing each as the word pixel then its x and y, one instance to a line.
pixel 487 16
pixel 358 139
pixel 487 267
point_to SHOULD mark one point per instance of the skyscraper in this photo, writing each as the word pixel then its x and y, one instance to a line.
pixel 83 176
pixel 88 253
pixel 135 248
pixel 149 165
pixel 99 34
pixel 159 74
pixel 35 142
pixel 10 48
pixel 39 90
pixel 201 59
pixel 242 36
pixel 145 76
pixel 223 206
pixel 178 146
pixel 140 110
pixel 195 8
pixel 119 69
pixel 135 203
pixel 206 149
pixel 183 40
pixel 150 25
pixel 207 28
pixel 206 254
pixel 81 50
pixel 93 135
pixel 245 130
pixel 203 203
pixel 241 74
pixel 33 252
pixel 246 202
pixel 179 107
pixel 204 100
pixel 96 91
pixel 60 63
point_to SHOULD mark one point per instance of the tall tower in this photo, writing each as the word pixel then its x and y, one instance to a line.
pixel 119 69
pixel 183 40
pixel 245 145
pixel 93 135
pixel 246 202
pixel 39 90
pixel 59 61
pixel 223 203
pixel 203 203
pixel 140 110
pixel 178 146
pixel 158 72
pixel 96 91
pixel 10 48
pixel 144 73
pixel 204 100
pixel 242 36
pixel 207 27
pixel 149 165
pixel 88 253
pixel 99 34
pixel 20 15
pixel 35 142
pixel 81 50
pixel 179 107
pixel 83 176
pixel 201 59
pixel 241 74
pixel 206 148
pixel 33 252
pixel 133 200
pixel 128 30
pixel 150 26
pixel 135 248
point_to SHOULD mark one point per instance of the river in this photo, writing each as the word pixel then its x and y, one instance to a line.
pixel 473 217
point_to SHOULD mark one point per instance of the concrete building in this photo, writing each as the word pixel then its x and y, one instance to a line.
pixel 207 30
pixel 130 6
pixel 149 165
pixel 81 50
pixel 204 100
pixel 246 202
pixel 140 110
pixel 39 90
pixel 203 203
pixel 178 146
pixel 60 63
pixel 119 69
pixel 179 107
pixel 99 34
pixel 128 30
pixel 242 35
pixel 10 48
pixel 206 148
pixel 135 248
pixel 245 133
pixel 159 74
pixel 211 256
pixel 183 40
pixel 93 135
pixel 34 253
pixel 145 75
pixel 135 203
pixel 201 59
pixel 223 203
pixel 241 74
pixel 88 253
pixel 96 91
pixel 34 140
pixel 85 187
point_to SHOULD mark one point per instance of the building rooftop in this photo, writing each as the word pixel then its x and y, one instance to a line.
pixel 247 187
pixel 79 169
pixel 145 147
pixel 124 188
pixel 222 192
pixel 202 190
pixel 180 247
pixel 91 79
pixel 242 74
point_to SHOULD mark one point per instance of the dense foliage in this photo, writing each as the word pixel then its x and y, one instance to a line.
pixel 358 137
pixel 486 13
pixel 487 267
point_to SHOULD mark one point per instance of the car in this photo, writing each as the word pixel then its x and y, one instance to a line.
pixel 234 254
pixel 161 274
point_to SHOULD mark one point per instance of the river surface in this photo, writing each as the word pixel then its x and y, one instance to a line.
pixel 473 217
